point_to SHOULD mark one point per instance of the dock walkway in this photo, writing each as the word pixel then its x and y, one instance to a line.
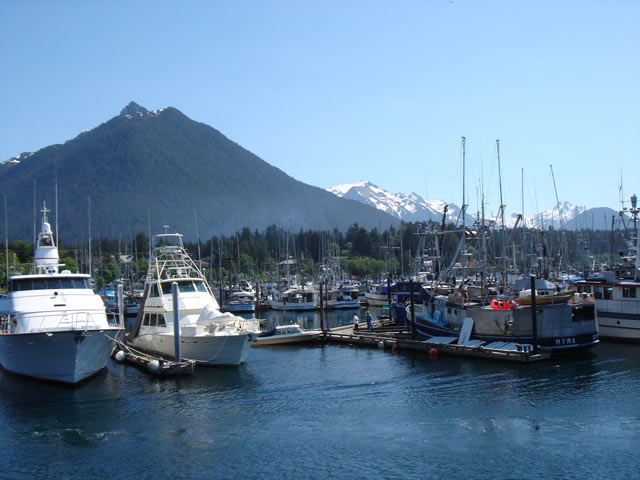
pixel 387 335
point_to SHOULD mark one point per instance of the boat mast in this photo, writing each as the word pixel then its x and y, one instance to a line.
pixel 6 244
pixel 502 205
pixel 463 212
pixel 90 259
pixel 563 246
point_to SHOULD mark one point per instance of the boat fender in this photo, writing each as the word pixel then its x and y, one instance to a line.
pixel 381 344
pixel 120 356
pixel 433 352
pixel 494 304
pixel 153 366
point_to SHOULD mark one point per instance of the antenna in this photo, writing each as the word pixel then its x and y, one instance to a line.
pixel 198 237
pixel 57 238
pixel 34 213
pixel 6 244
pixel 149 226
pixel 90 258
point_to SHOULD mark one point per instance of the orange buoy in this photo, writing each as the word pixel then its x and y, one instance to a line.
pixel 494 304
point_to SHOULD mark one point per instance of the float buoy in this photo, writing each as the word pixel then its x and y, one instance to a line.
pixel 153 366
pixel 395 347
pixel 433 352
pixel 120 356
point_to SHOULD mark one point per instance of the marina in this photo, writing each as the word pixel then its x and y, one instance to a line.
pixel 422 416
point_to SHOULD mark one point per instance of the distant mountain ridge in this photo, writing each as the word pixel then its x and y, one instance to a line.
pixel 410 208
pixel 161 167
pixel 414 208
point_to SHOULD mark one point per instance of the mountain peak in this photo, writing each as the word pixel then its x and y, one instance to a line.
pixel 134 109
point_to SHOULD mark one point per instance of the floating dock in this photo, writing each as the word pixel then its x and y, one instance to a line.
pixel 157 366
pixel 386 335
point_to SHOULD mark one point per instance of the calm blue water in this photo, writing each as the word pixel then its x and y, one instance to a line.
pixel 333 412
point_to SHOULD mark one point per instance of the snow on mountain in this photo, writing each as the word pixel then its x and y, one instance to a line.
pixel 19 158
pixel 413 208
pixel 410 208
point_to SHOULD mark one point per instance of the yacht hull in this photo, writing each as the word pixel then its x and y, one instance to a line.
pixel 220 350
pixel 69 356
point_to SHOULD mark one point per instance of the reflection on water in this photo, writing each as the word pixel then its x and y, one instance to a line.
pixel 336 412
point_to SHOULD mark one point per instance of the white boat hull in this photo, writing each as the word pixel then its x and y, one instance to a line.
pixel 293 306
pixel 621 328
pixel 69 356
pixel 281 339
pixel 377 300
pixel 203 349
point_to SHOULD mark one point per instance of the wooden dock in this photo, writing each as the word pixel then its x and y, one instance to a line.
pixel 157 366
pixel 386 335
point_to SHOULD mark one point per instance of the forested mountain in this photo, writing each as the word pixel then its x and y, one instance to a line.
pixel 161 167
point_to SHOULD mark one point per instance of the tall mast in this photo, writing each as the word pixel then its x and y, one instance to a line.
pixel 463 211
pixel 522 247
pixel 502 205
pixel 90 259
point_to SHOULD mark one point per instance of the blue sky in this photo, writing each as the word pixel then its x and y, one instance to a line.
pixel 340 91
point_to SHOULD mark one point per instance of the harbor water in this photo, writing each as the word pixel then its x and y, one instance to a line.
pixel 328 411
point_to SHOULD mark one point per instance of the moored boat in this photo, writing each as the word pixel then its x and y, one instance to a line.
pixel 286 334
pixel 53 326
pixel 207 336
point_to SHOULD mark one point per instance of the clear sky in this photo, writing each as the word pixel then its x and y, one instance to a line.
pixel 340 91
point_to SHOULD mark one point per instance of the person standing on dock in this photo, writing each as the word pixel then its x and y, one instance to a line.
pixel 369 321
pixel 356 321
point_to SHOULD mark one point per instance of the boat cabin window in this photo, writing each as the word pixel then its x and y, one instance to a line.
pixel 145 321
pixel 153 291
pixel 23 284
pixel 629 292
pixel 161 321
pixel 584 288
pixel 597 292
pixel 186 287
pixel 200 286
pixel 608 293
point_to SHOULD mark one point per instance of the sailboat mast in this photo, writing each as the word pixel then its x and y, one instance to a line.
pixel 463 211
pixel 502 205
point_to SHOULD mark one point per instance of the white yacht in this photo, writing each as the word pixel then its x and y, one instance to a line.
pixel 207 336
pixel 52 325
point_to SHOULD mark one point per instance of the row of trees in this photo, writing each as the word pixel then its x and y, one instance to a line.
pixel 361 253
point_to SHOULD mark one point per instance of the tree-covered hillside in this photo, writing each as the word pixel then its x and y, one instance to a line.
pixel 141 170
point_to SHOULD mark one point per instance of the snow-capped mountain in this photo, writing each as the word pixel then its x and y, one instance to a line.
pixel 410 208
pixel 413 208
pixel 564 215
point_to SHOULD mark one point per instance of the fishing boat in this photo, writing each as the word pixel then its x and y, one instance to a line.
pixel 286 334
pixel 207 336
pixel 53 326
pixel 294 298
pixel 616 290
pixel 240 301
pixel 560 327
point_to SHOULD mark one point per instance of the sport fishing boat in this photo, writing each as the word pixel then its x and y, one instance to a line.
pixel 207 336
pixel 53 326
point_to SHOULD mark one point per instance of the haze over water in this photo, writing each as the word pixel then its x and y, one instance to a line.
pixel 333 412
